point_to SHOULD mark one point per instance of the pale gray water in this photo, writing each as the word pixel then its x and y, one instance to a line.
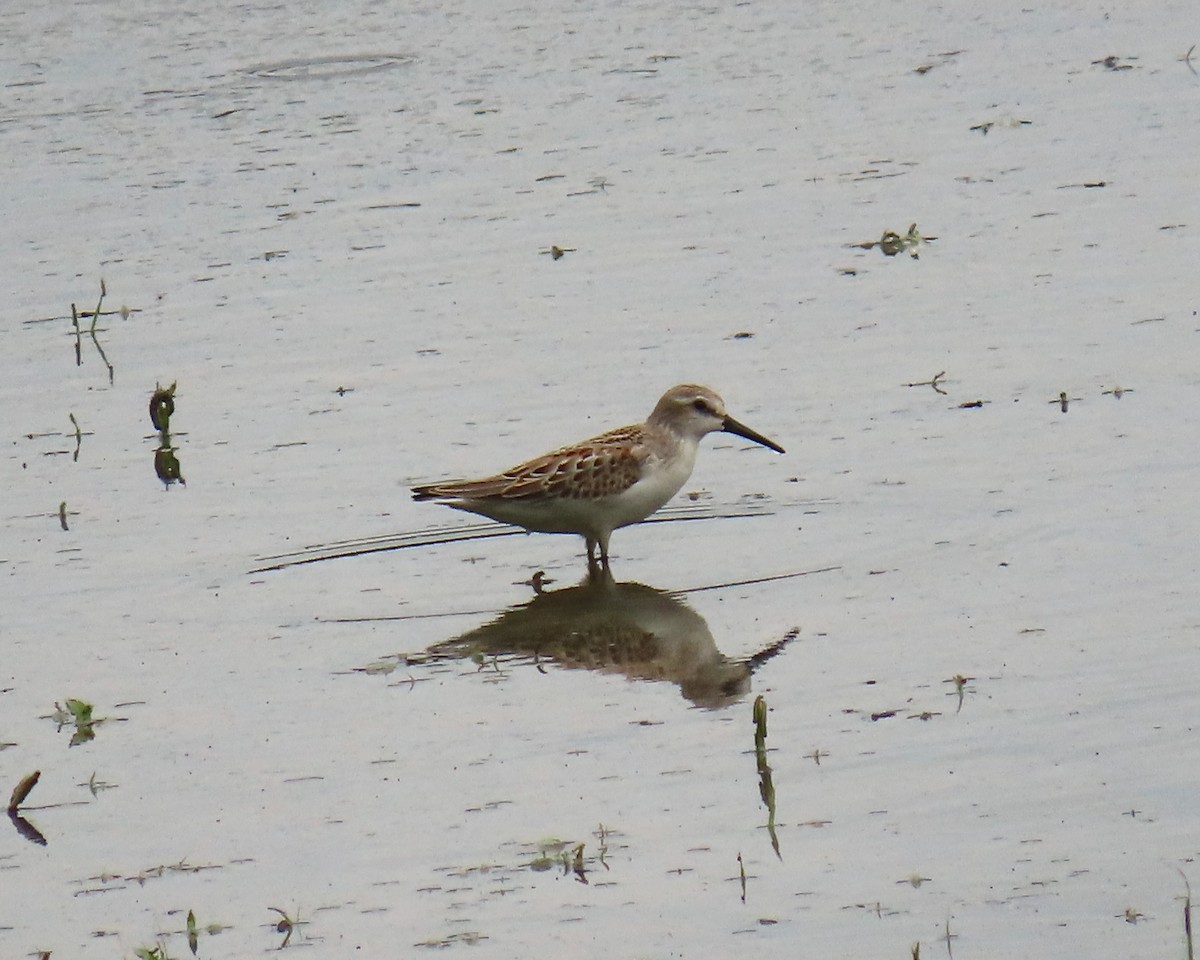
pixel 297 200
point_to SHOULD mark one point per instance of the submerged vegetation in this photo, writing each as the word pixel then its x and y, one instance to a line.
pixel 166 463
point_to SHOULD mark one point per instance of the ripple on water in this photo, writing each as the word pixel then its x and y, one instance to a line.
pixel 324 68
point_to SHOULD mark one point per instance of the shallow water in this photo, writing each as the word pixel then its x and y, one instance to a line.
pixel 972 626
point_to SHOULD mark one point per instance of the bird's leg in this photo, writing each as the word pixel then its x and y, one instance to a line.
pixel 593 566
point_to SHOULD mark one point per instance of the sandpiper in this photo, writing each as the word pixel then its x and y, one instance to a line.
pixel 612 480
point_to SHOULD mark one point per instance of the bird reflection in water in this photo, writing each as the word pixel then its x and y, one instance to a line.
pixel 626 628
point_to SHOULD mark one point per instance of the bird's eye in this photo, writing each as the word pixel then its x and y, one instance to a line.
pixel 700 406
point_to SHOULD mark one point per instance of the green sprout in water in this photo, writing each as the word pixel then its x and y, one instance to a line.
pixel 766 785
pixel 760 724
pixel 162 405
pixel 79 713
pixel 166 466
pixel 166 463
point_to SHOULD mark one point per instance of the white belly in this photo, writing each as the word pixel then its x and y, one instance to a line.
pixel 596 517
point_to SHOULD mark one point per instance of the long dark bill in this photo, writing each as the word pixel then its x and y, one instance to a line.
pixel 741 430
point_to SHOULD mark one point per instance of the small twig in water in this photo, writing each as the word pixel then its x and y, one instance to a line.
pixel 948 937
pixel 92 332
pixel 1187 58
pixel 78 337
pixel 96 314
pixel 78 437
pixel 1187 913
pixel 934 382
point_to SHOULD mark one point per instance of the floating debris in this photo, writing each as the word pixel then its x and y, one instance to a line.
pixel 1063 401
pixel 1010 122
pixel 1112 62
pixel 892 243
pixel 947 57
pixel 22 790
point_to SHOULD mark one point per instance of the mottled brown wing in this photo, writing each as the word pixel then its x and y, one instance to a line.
pixel 599 467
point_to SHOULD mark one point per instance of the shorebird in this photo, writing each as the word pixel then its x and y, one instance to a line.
pixel 612 480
